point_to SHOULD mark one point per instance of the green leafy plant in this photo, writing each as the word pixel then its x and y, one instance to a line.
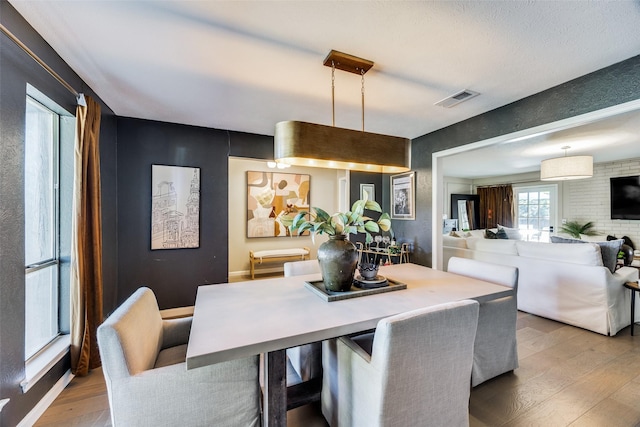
pixel 575 229
pixel 342 223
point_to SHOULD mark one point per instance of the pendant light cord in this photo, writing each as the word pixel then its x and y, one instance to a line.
pixel 333 94
pixel 362 77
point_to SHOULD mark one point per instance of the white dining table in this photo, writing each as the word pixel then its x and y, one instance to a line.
pixel 242 319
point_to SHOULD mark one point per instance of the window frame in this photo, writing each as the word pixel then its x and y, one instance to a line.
pixel 553 208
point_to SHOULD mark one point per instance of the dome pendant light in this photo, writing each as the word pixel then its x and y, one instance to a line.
pixel 309 144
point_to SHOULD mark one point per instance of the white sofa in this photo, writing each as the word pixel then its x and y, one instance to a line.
pixel 560 281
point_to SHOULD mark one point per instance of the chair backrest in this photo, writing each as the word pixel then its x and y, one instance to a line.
pixel 298 268
pixel 131 337
pixel 424 358
pixel 504 275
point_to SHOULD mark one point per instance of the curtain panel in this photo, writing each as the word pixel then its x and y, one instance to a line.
pixel 86 251
pixel 496 206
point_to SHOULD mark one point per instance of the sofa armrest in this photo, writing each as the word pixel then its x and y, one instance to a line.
pixel 175 331
pixel 625 274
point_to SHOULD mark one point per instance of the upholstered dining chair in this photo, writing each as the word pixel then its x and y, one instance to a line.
pixel 305 359
pixel 412 371
pixel 143 361
pixel 496 349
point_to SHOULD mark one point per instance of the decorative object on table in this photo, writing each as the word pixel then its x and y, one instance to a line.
pixel 575 229
pixel 626 254
pixel 318 288
pixel 175 207
pixel 368 270
pixel 273 197
pixel 338 257
pixel 403 196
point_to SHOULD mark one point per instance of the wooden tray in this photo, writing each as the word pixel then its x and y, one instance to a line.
pixel 317 287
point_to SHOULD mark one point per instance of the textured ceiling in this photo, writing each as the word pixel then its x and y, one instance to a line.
pixel 246 65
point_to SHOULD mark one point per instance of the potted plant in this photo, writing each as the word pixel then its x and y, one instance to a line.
pixel 575 229
pixel 338 257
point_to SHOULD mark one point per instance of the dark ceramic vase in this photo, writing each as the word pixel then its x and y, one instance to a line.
pixel 628 254
pixel 338 258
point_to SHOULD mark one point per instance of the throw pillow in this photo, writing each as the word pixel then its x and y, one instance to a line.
pixel 500 234
pixel 512 233
pixel 608 250
pixel 453 234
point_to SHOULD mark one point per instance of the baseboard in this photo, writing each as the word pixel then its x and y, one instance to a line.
pixel 46 400
pixel 258 271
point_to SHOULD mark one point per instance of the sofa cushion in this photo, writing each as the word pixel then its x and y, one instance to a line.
pixel 585 254
pixel 608 250
pixel 455 242
pixel 500 246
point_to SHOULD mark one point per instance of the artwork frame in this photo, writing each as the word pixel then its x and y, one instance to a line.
pixel 175 207
pixel 272 196
pixel 369 190
pixel 403 196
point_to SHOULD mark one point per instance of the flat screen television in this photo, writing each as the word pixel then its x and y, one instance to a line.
pixel 625 197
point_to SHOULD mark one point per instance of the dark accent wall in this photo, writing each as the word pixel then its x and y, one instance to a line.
pixel 604 88
pixel 16 70
pixel 175 274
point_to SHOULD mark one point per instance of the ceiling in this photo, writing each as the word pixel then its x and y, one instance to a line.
pixel 246 65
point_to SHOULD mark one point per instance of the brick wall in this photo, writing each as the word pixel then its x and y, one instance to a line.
pixel 589 200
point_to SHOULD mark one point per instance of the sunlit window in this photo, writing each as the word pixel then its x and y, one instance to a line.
pixel 536 211
pixel 41 227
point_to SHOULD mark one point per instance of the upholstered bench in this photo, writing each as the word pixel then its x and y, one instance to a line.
pixel 275 255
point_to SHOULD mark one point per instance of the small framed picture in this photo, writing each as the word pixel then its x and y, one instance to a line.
pixel 403 196
pixel 368 191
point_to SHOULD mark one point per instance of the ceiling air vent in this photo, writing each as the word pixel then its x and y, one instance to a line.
pixel 457 98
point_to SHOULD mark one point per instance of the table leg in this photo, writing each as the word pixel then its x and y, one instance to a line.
pixel 633 309
pixel 275 389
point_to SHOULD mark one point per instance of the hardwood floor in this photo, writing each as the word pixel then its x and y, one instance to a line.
pixel 567 377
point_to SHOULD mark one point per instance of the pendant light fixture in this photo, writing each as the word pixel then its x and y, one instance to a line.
pixel 566 168
pixel 309 144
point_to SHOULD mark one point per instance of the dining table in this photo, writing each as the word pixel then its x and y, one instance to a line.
pixel 242 319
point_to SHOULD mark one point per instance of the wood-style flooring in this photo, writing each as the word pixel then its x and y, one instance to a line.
pixel 567 377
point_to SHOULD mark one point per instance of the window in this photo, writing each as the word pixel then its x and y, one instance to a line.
pixel 42 228
pixel 536 212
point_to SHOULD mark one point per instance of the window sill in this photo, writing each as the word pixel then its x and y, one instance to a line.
pixel 39 365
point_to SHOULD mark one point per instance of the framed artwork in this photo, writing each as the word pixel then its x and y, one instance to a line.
pixel 368 191
pixel 175 207
pixel 272 196
pixel 403 196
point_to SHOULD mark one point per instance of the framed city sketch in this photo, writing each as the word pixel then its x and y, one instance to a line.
pixel 175 207
pixel 272 196
pixel 403 196
pixel 368 191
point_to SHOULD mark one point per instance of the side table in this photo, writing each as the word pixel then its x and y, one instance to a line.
pixel 634 287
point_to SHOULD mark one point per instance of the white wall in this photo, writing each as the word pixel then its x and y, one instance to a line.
pixel 324 194
pixel 589 200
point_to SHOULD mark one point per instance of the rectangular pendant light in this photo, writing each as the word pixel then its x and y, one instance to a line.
pixel 309 144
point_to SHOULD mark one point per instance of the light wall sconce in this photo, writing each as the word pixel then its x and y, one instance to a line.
pixel 309 144
pixel 566 168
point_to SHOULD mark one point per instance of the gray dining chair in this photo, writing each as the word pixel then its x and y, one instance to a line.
pixel 496 347
pixel 306 359
pixel 148 384
pixel 412 371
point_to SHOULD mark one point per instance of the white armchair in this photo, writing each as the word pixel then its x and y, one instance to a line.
pixel 306 359
pixel 413 371
pixel 496 348
pixel 143 361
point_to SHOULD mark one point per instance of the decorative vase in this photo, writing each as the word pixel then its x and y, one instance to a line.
pixel 368 270
pixel 338 259
pixel 627 257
